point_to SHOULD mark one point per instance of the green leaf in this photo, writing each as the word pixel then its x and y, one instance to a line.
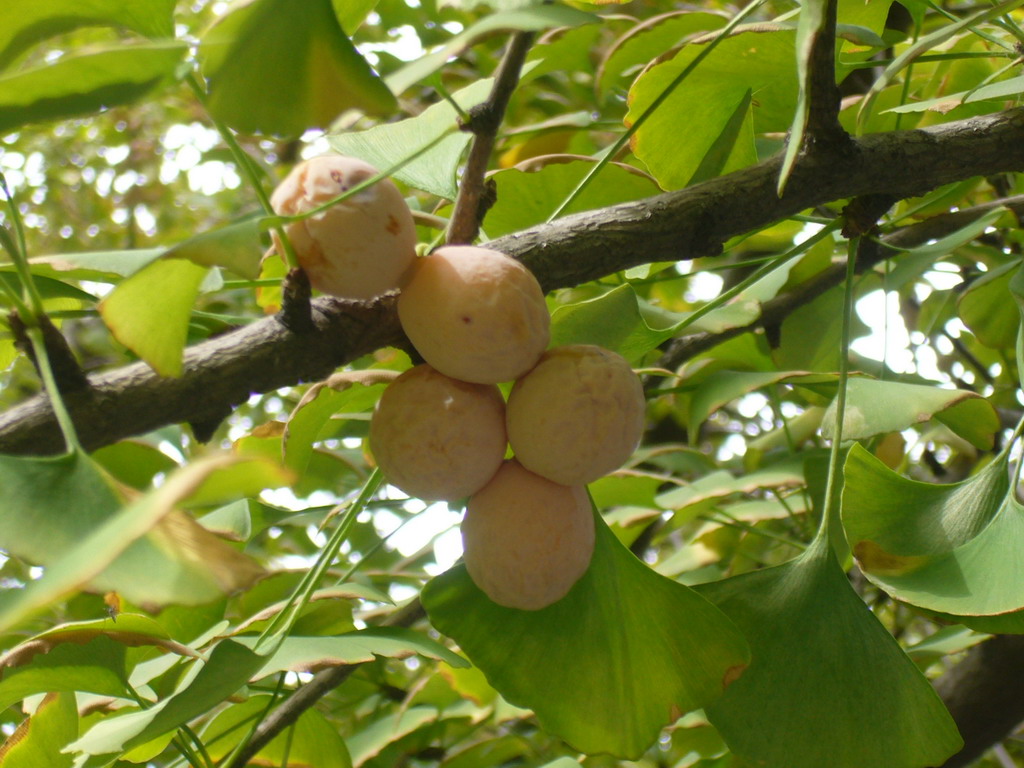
pixel 23 23
pixel 38 741
pixel 529 198
pixel 723 386
pixel 948 548
pixel 879 407
pixel 91 82
pixel 149 312
pixel 821 657
pixel 312 742
pixel 648 40
pixel 374 736
pixel 984 309
pixel 811 24
pixel 95 666
pixel 277 68
pixel 614 321
pixel 525 19
pixel 432 171
pixel 871 15
pixel 811 334
pixel 64 513
pixel 924 44
pixel 307 654
pixel 908 518
pixel 708 104
pixel 48 287
pixel 1017 290
pixel 99 266
pixel 624 653
pixel 235 246
pixel 134 463
pixel 944 642
pixel 229 668
pixel 737 132
pixel 621 321
pixel 1000 90
pixel 352 13
pixel 788 473
pixel 314 414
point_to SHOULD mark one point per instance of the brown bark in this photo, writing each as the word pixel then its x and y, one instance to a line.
pixel 690 223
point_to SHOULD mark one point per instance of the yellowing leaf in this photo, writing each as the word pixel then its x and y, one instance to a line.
pixel 149 312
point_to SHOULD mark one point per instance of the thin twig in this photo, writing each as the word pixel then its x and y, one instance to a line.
pixel 485 119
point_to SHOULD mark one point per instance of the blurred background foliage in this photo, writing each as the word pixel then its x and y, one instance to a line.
pixel 731 476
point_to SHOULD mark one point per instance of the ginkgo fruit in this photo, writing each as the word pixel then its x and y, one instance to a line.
pixel 577 415
pixel 436 437
pixel 475 314
pixel 526 540
pixel 358 248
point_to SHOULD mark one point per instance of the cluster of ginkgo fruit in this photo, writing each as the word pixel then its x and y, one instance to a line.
pixel 442 429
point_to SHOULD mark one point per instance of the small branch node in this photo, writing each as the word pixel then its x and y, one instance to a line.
pixel 296 310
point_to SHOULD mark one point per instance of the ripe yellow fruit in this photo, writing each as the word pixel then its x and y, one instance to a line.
pixel 357 249
pixel 526 540
pixel 438 438
pixel 475 314
pixel 578 415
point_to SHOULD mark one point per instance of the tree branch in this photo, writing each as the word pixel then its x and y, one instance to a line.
pixel 686 224
pixel 983 693
pixel 485 119
pixel 774 311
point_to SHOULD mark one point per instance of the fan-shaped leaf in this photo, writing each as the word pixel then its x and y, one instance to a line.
pixel 624 653
pixel 948 548
pixel 90 82
pixel 149 311
pixel 280 68
pixel 311 743
pixel 828 685
pixel 878 407
pixel 432 171
pixel 39 739
pixel 229 667
pixel 65 514
pixel 762 62
pixel 23 23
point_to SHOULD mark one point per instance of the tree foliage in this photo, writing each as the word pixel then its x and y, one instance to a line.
pixel 799 223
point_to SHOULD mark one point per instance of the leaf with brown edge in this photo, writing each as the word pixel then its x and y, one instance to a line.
pixel 66 514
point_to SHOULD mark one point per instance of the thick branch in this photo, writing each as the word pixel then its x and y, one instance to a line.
pixel 686 224
pixel 983 693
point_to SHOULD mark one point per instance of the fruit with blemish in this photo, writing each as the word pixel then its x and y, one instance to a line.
pixel 577 415
pixel 527 540
pixel 475 314
pixel 358 248
pixel 436 437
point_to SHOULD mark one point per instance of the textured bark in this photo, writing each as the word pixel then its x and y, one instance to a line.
pixel 218 375
pixel 984 694
pixel 694 222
